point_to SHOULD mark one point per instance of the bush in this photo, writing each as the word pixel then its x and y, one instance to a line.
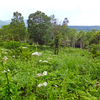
pixel 94 49
pixel 12 44
pixel 1 42
pixel 22 52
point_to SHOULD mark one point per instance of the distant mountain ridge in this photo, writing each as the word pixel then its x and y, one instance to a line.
pixel 4 23
pixel 78 28
pixel 85 28
pixel 7 22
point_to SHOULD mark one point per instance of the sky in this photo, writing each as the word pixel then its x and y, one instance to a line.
pixel 78 12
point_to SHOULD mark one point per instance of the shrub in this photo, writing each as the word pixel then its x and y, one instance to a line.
pixel 12 44
pixel 94 49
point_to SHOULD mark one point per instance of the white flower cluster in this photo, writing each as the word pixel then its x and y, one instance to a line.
pixel 5 51
pixel 5 71
pixel 43 61
pixel 13 56
pixel 5 58
pixel 56 86
pixel 36 53
pixel 44 73
pixel 24 47
pixel 43 84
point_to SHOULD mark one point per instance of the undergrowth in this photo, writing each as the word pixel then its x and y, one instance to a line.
pixel 72 75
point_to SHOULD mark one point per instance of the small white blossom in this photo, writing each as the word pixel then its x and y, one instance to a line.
pixel 4 49
pixel 40 85
pixel 56 86
pixel 4 71
pixel 45 61
pixel 5 58
pixel 13 56
pixel 44 73
pixel 24 47
pixel 39 74
pixel 40 60
pixel 8 70
pixel 39 54
pixel 36 53
pixel 4 52
pixel 4 62
pixel 45 83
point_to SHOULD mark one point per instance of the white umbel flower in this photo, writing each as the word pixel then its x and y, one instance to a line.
pixel 36 53
pixel 24 47
pixel 39 74
pixel 13 56
pixel 40 85
pixel 45 84
pixel 8 70
pixel 44 73
pixel 4 71
pixel 5 58
pixel 56 86
pixel 45 61
pixel 40 60
pixel 39 54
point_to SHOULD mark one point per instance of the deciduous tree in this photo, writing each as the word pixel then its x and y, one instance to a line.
pixel 38 25
pixel 18 27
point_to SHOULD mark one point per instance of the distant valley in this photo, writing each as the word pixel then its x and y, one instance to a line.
pixel 78 28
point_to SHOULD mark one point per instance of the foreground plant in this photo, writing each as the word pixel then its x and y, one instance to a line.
pixel 7 90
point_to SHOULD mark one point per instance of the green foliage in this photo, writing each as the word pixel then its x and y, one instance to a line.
pixel 18 29
pixel 5 33
pixel 94 49
pixel 12 44
pixel 72 74
pixel 24 53
pixel 95 38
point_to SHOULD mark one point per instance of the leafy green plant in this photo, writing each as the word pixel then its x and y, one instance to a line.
pixel 12 44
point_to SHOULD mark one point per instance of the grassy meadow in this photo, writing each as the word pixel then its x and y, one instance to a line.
pixel 30 73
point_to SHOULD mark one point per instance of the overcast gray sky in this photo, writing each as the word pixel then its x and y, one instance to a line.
pixel 78 12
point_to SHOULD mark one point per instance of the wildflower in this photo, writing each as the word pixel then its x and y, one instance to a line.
pixel 45 61
pixel 13 56
pixel 56 86
pixel 44 73
pixel 40 85
pixel 8 70
pixel 4 52
pixel 24 47
pixel 36 53
pixel 39 74
pixel 45 83
pixel 5 58
pixel 39 54
pixel 4 71
pixel 40 60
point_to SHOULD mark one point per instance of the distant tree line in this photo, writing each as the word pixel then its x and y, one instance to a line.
pixel 46 30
